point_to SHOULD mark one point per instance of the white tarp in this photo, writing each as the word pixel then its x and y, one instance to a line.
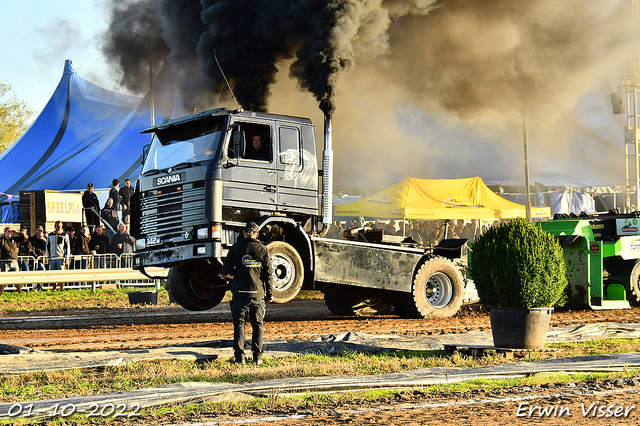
pixel 571 202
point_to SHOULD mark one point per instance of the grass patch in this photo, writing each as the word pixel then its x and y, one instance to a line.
pixel 71 299
pixel 67 383
pixel 478 389
pixel 13 302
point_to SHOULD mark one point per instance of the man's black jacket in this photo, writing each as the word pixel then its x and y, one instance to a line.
pixel 249 263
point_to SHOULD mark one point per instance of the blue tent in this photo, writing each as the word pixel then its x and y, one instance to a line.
pixel 9 213
pixel 84 134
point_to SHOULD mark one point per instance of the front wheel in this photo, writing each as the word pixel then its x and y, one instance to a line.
pixel 192 294
pixel 437 291
pixel 287 271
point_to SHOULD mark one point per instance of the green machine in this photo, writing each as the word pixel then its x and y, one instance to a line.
pixel 602 255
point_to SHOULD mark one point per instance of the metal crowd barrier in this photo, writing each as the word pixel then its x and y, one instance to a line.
pixel 83 271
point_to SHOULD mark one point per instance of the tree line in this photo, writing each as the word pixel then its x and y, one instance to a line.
pixel 15 117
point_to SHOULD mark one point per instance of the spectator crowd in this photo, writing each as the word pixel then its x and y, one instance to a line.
pixel 88 248
pixel 423 233
pixel 64 248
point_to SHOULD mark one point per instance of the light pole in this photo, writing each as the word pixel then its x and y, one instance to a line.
pixel 526 166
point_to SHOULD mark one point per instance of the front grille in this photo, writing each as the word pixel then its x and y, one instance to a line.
pixel 172 213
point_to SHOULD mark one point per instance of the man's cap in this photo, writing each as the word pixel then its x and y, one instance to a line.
pixel 251 228
pixel 90 185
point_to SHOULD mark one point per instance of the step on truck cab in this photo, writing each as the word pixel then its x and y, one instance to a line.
pixel 202 180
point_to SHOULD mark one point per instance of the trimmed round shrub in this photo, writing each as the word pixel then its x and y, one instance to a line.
pixel 517 264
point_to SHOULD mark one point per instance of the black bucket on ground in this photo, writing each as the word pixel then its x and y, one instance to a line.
pixel 143 297
pixel 520 328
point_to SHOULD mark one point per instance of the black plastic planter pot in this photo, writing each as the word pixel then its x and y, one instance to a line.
pixel 520 328
pixel 143 297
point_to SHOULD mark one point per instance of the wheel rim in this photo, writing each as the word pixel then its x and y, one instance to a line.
pixel 439 290
pixel 283 272
pixel 199 288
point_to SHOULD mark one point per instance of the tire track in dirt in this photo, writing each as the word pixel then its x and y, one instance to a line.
pixel 92 329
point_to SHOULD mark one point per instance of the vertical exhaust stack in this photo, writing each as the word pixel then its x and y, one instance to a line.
pixel 327 175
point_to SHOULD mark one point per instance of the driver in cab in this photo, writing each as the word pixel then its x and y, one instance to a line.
pixel 260 150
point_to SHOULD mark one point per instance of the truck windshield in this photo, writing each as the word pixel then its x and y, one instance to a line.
pixel 184 146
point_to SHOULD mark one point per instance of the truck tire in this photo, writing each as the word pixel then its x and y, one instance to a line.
pixel 350 301
pixel 634 285
pixel 191 294
pixel 287 271
pixel 338 302
pixel 368 302
pixel 437 291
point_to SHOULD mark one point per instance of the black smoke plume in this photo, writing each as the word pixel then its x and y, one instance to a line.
pixel 408 71
pixel 134 41
pixel 250 39
pixel 465 56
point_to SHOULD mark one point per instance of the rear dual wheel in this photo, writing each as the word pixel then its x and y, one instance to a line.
pixel 287 271
pixel 437 291
pixel 349 301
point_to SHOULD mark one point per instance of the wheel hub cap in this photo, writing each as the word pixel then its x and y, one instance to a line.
pixel 439 290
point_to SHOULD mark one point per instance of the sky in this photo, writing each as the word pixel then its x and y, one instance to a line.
pixel 382 132
pixel 40 35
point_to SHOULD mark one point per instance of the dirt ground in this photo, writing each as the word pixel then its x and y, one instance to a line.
pixel 139 327
pixel 594 402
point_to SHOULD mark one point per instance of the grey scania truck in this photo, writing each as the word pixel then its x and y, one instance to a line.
pixel 199 186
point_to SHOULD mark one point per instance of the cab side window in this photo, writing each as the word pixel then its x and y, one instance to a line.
pixel 258 140
pixel 290 146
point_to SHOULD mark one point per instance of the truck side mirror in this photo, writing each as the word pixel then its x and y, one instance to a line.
pixel 237 148
pixel 239 144
pixel 145 152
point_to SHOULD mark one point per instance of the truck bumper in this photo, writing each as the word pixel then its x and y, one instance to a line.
pixel 169 256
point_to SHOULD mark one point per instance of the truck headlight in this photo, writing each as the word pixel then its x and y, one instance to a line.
pixel 202 233
pixel 212 231
pixel 141 243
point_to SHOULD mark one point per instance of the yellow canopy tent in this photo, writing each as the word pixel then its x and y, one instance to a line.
pixel 414 198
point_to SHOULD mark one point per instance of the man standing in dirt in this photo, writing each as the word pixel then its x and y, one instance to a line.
pixel 249 266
